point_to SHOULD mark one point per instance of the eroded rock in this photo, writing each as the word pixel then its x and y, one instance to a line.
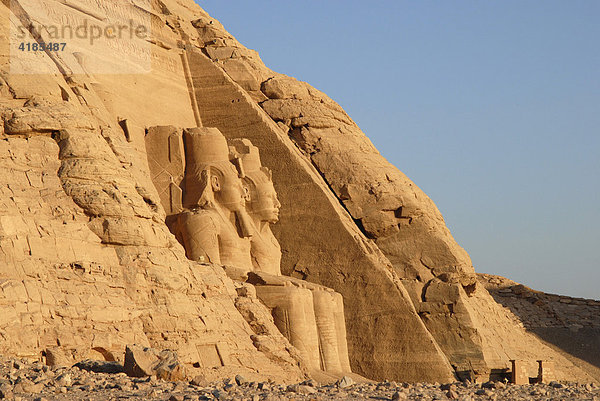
pixel 144 361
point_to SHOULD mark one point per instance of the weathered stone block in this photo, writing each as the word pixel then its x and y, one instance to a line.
pixel 519 373
pixel 546 372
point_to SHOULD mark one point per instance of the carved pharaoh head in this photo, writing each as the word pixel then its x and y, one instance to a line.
pixel 210 178
pixel 262 199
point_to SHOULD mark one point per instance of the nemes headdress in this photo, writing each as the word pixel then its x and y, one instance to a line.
pixel 246 157
pixel 206 154
pixel 204 148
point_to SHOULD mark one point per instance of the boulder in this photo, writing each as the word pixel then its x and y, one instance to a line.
pixel 144 361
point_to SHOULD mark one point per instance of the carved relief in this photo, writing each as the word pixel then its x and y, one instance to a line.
pixel 164 150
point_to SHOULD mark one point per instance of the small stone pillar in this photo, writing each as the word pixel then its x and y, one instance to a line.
pixel 545 371
pixel 519 372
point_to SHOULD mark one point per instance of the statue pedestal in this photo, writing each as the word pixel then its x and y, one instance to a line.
pixel 311 316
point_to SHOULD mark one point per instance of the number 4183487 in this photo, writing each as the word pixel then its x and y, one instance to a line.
pixel 35 46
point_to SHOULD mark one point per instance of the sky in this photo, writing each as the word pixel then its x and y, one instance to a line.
pixel 491 107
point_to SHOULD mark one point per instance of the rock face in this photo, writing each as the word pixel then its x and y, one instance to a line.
pixel 88 264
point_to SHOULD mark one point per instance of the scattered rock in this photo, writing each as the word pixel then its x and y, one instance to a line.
pixel 27 386
pixel 139 361
pixel 64 380
pixel 218 394
pixel 87 384
pixel 301 389
pixel 6 391
pixel 240 380
pixel 399 396
pixel 264 386
pixel 310 382
pixel 199 381
pixel 169 367
pixel 344 382
pixel 100 366
pixel 144 361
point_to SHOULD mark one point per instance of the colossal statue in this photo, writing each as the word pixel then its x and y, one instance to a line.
pixel 296 304
pixel 262 206
pixel 214 227
pixel 227 204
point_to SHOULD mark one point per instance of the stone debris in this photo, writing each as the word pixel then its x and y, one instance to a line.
pixel 144 361
pixel 34 381
pixel 345 382
pixel 240 380
pixel 100 366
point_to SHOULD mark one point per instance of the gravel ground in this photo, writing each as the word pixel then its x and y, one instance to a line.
pixel 22 380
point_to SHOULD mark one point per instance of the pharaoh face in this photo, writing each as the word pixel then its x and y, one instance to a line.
pixel 227 188
pixel 263 198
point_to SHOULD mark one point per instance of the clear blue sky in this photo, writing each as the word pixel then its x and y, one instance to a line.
pixel 491 107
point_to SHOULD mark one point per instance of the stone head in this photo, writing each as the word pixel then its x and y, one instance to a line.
pixel 262 201
pixel 210 179
pixel 263 198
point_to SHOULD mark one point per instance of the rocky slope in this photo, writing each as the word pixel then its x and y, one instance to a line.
pixel 571 325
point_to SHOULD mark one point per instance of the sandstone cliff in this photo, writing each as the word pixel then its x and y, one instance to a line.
pixel 89 265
